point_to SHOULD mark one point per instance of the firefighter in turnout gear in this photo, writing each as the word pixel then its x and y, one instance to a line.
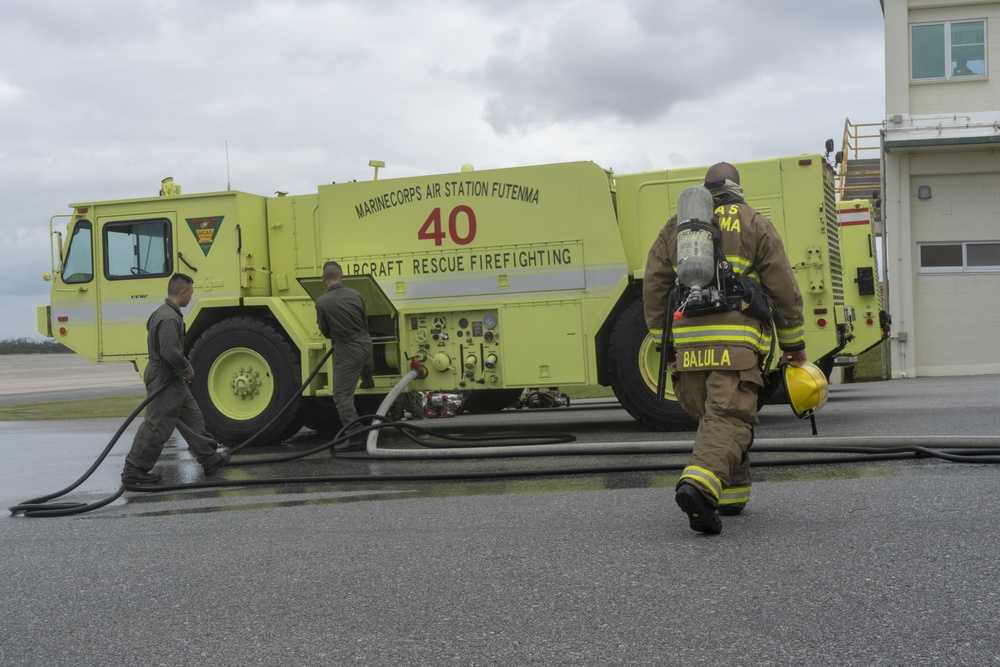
pixel 719 348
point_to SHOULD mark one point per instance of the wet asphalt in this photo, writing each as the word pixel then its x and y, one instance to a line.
pixel 860 563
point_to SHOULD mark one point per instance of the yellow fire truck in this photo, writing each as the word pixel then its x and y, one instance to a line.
pixel 863 298
pixel 493 280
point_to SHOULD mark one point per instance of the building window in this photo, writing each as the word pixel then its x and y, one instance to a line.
pixel 969 257
pixel 949 50
pixel 982 256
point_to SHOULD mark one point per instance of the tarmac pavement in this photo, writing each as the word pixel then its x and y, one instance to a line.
pixel 40 378
pixel 862 563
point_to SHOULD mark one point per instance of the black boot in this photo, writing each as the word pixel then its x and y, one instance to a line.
pixel 217 461
pixel 701 515
pixel 356 443
pixel 132 476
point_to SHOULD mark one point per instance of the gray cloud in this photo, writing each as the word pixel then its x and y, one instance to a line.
pixel 635 61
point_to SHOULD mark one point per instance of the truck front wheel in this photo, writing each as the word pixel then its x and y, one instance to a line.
pixel 633 363
pixel 245 373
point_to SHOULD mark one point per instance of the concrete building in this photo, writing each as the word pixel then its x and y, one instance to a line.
pixel 941 200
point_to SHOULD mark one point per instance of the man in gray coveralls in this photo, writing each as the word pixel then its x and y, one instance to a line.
pixel 341 316
pixel 174 407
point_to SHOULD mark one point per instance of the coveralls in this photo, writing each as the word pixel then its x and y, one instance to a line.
pixel 719 354
pixel 341 316
pixel 175 407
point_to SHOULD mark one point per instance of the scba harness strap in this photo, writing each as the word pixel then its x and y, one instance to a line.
pixel 725 292
pixel 728 291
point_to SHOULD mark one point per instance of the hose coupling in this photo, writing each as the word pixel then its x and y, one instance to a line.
pixel 415 365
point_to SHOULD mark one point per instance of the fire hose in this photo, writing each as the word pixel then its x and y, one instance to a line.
pixel 961 449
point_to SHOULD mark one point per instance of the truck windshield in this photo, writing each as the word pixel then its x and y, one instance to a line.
pixel 137 248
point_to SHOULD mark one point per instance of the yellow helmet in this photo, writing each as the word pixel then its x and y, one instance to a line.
pixel 806 387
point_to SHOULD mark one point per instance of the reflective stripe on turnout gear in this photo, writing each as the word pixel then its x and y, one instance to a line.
pixel 735 495
pixel 790 338
pixel 716 334
pixel 740 264
pixel 706 479
pixel 657 335
pixel 753 248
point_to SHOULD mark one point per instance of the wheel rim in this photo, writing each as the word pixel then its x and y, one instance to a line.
pixel 649 366
pixel 240 384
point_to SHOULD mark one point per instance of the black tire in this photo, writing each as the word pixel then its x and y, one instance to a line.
pixel 368 404
pixel 245 373
pixel 486 401
pixel 320 414
pixel 633 363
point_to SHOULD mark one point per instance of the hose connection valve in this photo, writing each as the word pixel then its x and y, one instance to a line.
pixel 415 365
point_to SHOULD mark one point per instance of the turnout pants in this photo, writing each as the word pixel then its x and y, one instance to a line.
pixel 174 408
pixel 725 404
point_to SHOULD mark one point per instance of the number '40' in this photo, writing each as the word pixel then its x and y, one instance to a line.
pixel 431 229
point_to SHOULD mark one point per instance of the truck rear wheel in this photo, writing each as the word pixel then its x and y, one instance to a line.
pixel 320 414
pixel 633 362
pixel 486 401
pixel 245 373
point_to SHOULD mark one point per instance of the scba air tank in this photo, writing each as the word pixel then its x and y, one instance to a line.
pixel 695 238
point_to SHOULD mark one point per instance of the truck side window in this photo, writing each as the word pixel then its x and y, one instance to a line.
pixel 137 248
pixel 79 264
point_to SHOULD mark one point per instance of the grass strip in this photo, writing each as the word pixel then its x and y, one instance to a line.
pixel 83 408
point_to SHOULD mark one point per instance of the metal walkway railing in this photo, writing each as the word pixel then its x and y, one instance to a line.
pixel 859 174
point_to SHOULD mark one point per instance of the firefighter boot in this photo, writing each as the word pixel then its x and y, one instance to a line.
pixel 701 515
pixel 132 476
pixel 357 442
pixel 218 460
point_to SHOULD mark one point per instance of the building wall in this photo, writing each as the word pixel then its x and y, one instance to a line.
pixel 957 316
pixel 949 96
pixel 943 134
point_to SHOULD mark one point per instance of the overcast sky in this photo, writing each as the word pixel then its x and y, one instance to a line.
pixel 104 98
